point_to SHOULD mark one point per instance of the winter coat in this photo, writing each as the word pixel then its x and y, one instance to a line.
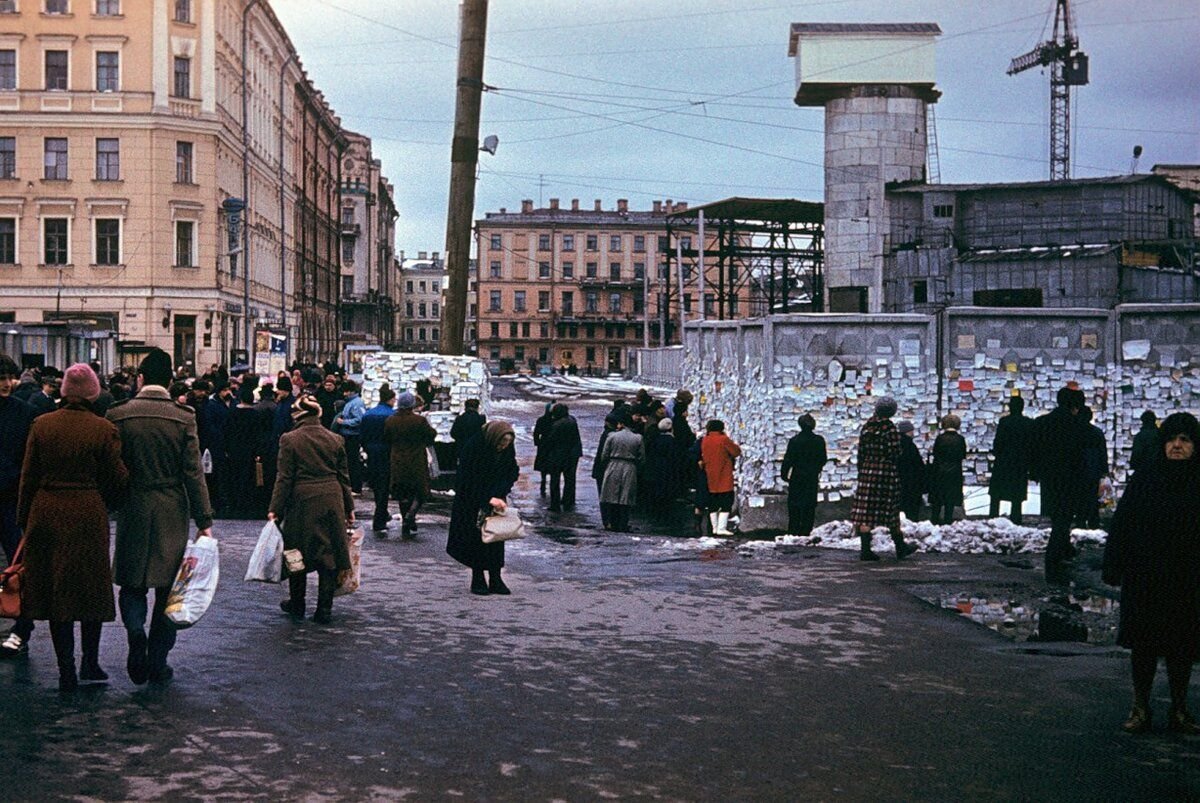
pixel 623 453
pixel 913 481
pixel 311 497
pixel 877 498
pixel 1010 471
pixel 374 441
pixel 483 474
pixel 540 428
pixel 212 434
pixel 561 446
pixel 1095 455
pixel 661 468
pixel 281 423
pixel 598 460
pixel 351 415
pixel 1153 553
pixel 685 439
pixel 166 485
pixel 41 403
pixel 1059 439
pixel 802 464
pixel 946 470
pixel 328 399
pixel 467 425
pixel 719 453
pixel 409 436
pixel 1146 446
pixel 15 419
pixel 72 470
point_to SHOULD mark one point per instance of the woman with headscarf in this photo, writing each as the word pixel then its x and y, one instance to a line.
pixel 487 470
pixel 312 502
pixel 662 468
pixel 877 498
pixel 409 436
pixel 946 471
pixel 623 453
pixel 71 475
pixel 1153 554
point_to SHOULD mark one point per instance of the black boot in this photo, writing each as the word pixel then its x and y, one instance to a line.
pixel 326 585
pixel 866 553
pixel 903 550
pixel 478 582
pixel 293 606
pixel 495 584
pixel 137 664
pixel 63 636
pixel 89 669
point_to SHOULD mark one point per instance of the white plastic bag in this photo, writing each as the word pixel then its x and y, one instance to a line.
pixel 350 579
pixel 195 584
pixel 266 561
pixel 206 463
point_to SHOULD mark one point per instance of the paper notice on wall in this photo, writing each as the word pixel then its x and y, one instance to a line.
pixel 993 343
pixel 1059 342
pixel 966 341
pixel 910 347
pixel 992 363
pixel 1135 349
pixel 966 385
pixel 912 361
pixel 980 358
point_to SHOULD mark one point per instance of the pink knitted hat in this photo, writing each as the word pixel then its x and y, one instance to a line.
pixel 80 381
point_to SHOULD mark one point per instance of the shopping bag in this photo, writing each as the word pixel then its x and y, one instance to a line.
pixel 195 583
pixel 350 579
pixel 505 526
pixel 10 585
pixel 206 462
pixel 266 561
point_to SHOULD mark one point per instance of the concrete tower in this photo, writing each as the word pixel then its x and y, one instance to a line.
pixel 874 80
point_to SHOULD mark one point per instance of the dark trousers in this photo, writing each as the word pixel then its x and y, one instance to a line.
pixel 10 539
pixel 132 602
pixel 1014 516
pixel 1058 548
pixel 618 517
pixel 562 486
pixel 941 509
pixel 354 460
pixel 800 517
pixel 379 475
pixel 63 636
pixel 326 585
pixel 568 492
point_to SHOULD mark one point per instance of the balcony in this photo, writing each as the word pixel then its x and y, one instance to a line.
pixel 626 282
pixel 351 229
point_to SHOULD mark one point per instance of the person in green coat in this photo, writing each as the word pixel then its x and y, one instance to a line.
pixel 159 444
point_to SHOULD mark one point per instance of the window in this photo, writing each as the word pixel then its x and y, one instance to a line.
pixel 590 351
pixel 408 289
pixel 848 299
pixel 108 8
pixel 348 250
pixel 347 215
pixel 495 352
pixel 183 77
pixel 108 241
pixel 519 301
pixel 108 159
pixel 591 301
pixel 494 301
pixel 733 305
pixel 8 157
pixel 183 11
pixel 55 158
pixel 495 329
pixel 8 69
pixel 57 7
pixel 55 240
pixel 519 353
pixel 8 241
pixel 589 330
pixel 687 303
pixel 568 270
pixel 709 301
pixel 421 286
pixel 512 330
pixel 664 243
pixel 543 354
pixel 347 289
pixel 543 300
pixel 614 302
pixel 183 162
pixel 433 310
pixel 434 334
pixel 495 242
pixel 568 242
pixel 543 270
pixel 592 242
pixel 56 69
pixel 8 6
pixel 421 308
pixel 943 210
pixel 544 329
pixel 543 242
pixel 639 243
pixel 590 271
pixel 495 267
pixel 614 271
pixel 614 242
pixel 421 333
pixel 108 70
pixel 525 329
pixel 639 270
pixel 920 292
pixel 408 309
pixel 568 303
pixel 638 304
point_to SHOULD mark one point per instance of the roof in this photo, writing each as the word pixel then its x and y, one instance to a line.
pixel 774 210
pixel 1033 185
pixel 572 217
pixel 858 29
pixel 1038 253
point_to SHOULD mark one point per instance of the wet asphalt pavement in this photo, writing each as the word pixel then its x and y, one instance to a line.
pixel 623 667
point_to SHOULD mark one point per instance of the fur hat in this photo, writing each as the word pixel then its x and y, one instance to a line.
pixel 406 400
pixel 284 383
pixel 684 396
pixel 156 368
pixel 885 407
pixel 905 426
pixel 80 382
pixel 305 406
pixel 951 421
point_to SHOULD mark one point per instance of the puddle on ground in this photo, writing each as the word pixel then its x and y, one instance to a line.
pixel 1083 617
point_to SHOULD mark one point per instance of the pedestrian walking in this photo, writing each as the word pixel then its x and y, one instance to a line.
pixel 1095 469
pixel 16 416
pixel 913 476
pixel 1146 443
pixel 328 396
pixel 803 462
pixel 563 447
pixel 877 497
pixel 348 422
pixel 160 446
pixel 662 469
pixel 379 457
pixel 487 471
pixel 409 436
pixel 1153 554
pixel 718 453
pixel 246 428
pixel 1011 457
pixel 311 501
pixel 540 428
pixel 623 453
pixel 946 471
pixel 1059 438
pixel 72 473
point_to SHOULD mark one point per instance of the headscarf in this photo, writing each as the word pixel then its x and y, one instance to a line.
pixel 406 400
pixel 664 425
pixel 494 432
pixel 305 405
pixel 1179 424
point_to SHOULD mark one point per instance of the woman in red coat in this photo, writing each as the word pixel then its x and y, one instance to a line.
pixel 72 473
pixel 717 455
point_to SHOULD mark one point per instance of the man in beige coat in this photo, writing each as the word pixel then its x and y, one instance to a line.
pixel 166 486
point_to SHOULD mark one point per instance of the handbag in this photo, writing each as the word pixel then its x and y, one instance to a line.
pixel 506 526
pixel 11 580
pixel 349 580
pixel 293 561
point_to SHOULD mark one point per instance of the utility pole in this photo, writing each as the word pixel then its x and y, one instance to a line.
pixel 464 155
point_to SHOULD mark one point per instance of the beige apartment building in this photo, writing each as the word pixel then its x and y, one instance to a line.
pixel 121 137
pixel 424 282
pixel 568 286
pixel 370 292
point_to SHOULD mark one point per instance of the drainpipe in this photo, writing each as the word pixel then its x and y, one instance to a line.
pixel 248 334
pixel 282 214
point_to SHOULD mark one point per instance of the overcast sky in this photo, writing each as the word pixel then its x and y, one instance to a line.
pixel 631 99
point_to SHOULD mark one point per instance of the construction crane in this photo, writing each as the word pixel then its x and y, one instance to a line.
pixel 1068 67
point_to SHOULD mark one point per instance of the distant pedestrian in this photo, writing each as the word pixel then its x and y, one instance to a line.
pixel 1059 439
pixel 245 430
pixel 16 416
pixel 910 466
pixel 946 471
pixel 72 474
pixel 379 456
pixel 348 423
pixel 467 424
pixel 312 502
pixel 211 430
pixel 718 454
pixel 598 463
pixel 1095 469
pixel 1146 444
pixel 1010 469
pixel 877 497
pixel 1153 554
pixel 562 449
pixel 540 428
pixel 623 453
pixel 328 396
pixel 661 469
pixel 694 468
pixel 803 462
pixel 487 471
pixel 409 436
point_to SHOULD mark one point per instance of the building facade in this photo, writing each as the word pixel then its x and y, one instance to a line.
pixel 568 286
pixel 121 139
pixel 369 274
pixel 424 282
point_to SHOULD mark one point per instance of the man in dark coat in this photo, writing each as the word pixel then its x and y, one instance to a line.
pixel 1010 452
pixel 42 399
pixel 328 397
pixel 1095 468
pixel 563 448
pixel 801 470
pixel 911 468
pixel 467 424
pixel 409 436
pixel 15 418
pixel 1146 442
pixel 1059 438
pixel 379 456
pixel 685 438
pixel 160 446
pixel 212 440
pixel 540 428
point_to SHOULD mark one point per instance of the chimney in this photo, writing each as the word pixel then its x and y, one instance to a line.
pixel 553 203
pixel 422 255
pixel 574 204
pixel 503 210
pixel 526 206
pixel 681 206
pixel 658 206
pixel 667 207
pixel 599 208
pixel 622 204
pixel 435 257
